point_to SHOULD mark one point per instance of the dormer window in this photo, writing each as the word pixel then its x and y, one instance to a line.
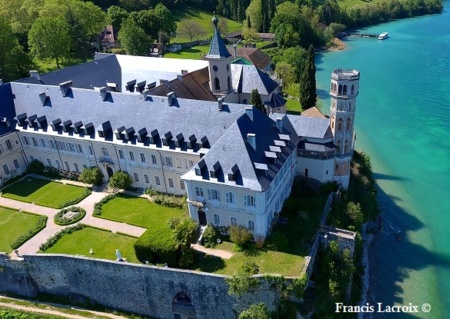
pixel 231 177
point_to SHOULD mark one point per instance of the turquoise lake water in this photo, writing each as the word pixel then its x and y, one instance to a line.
pixel 403 122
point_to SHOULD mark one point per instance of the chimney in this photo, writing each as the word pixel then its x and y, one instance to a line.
pixel 251 139
pixel 103 93
pixel 65 87
pixel 279 124
pixel 249 112
pixel 35 74
pixel 220 103
pixel 43 97
pixel 184 72
pixel 170 97
pixel 140 86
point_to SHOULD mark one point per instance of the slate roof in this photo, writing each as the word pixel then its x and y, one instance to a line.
pixel 313 112
pixel 7 112
pixel 87 75
pixel 217 49
pixel 246 78
pixel 232 151
pixel 312 127
pixel 277 101
pixel 255 56
pixel 201 118
pixel 317 147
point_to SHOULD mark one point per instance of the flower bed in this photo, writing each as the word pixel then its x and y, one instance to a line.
pixel 69 216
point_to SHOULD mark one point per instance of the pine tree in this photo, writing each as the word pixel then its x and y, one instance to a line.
pixel 308 81
pixel 256 101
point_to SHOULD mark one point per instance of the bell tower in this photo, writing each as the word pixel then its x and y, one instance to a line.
pixel 219 60
pixel 344 89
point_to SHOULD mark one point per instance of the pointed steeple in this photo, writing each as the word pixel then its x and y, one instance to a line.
pixel 217 49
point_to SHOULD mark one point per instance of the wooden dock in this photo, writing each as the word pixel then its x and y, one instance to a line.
pixel 364 35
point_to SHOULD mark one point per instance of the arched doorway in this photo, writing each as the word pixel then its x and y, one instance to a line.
pixel 109 171
pixel 202 217
pixel 182 306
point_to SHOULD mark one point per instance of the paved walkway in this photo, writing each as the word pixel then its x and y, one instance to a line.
pixel 32 245
pixel 213 252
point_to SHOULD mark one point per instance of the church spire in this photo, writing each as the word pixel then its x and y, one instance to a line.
pixel 217 49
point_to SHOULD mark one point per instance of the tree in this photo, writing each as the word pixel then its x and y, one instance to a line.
pixel 191 29
pixel 254 11
pixel 259 311
pixel 49 38
pixel 223 26
pixel 92 175
pixel 256 101
pixel 14 62
pixel 240 235
pixel 308 82
pixel 116 16
pixel 120 180
pixel 285 72
pixel 241 281
pixel 133 38
pixel 185 231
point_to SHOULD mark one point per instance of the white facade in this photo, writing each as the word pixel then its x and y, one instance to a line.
pixel 12 161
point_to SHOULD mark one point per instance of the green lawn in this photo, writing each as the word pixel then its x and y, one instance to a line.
pixel 43 192
pixel 139 211
pixel 194 53
pixel 104 244
pixel 201 17
pixel 300 230
pixel 14 224
pixel 293 107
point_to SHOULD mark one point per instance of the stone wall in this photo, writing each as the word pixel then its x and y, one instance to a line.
pixel 141 289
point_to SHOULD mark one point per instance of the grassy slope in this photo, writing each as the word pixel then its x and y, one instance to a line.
pixel 139 211
pixel 13 224
pixel 194 53
pixel 42 192
pixel 104 244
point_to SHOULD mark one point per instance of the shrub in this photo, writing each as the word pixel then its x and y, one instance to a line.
pixel 278 241
pixel 259 311
pixel 157 245
pixel 185 231
pixel 92 175
pixel 250 268
pixel 35 167
pixel 22 239
pixel 240 235
pixel 210 236
pixel 62 221
pixel 120 180
pixel 98 206
pixel 51 172
pixel 53 240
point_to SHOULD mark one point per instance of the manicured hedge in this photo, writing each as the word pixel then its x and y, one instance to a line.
pixel 157 245
pixel 51 241
pixel 98 206
pixel 87 192
pixel 39 226
pixel 59 220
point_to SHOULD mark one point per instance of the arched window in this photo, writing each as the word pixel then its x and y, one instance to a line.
pixel 346 146
pixel 171 183
pixel 332 121
pixel 340 89
pixel 340 124
pixel 353 89
pixel 338 146
pixel 216 84
pixel 182 304
pixel 345 90
pixel 349 123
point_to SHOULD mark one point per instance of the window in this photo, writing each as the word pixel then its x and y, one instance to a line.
pixel 233 221
pixel 8 144
pixel 6 169
pixel 182 186
pixel 71 147
pixel 216 220
pixel 75 165
pixel 49 162
pixel 199 191
pixel 25 140
pixel 168 161
pixel 121 154
pixel 1 148
pixel 131 156
pixel 154 159
pixel 251 225
pixel 51 144
pixel 349 122
pixel 90 150
pixel 216 84
pixel 105 152
pixel 249 200
pixel 67 166
pixel 58 164
pixel 213 194
pixel 146 179
pixel 41 142
pixel 191 163
pixel 157 181
pixel 230 197
pixel 136 177
pixel 171 183
pixel 34 141
pixel 16 164
pixel 178 162
pixel 79 148
pixel 142 157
